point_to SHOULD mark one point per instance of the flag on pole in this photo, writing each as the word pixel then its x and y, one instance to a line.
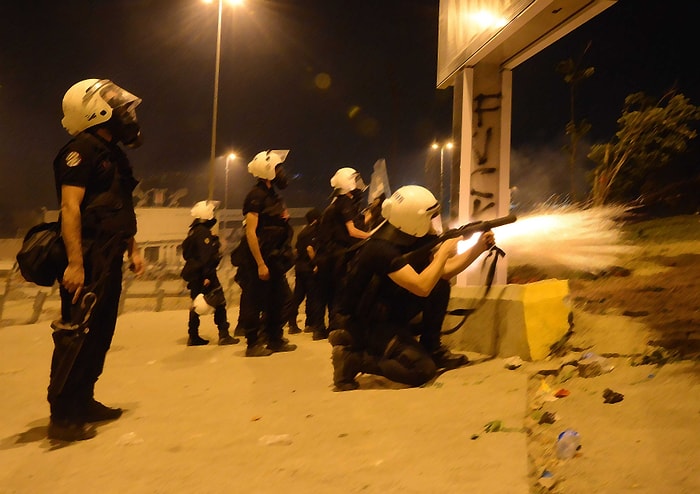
pixel 379 181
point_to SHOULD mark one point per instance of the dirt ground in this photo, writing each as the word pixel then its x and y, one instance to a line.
pixel 640 320
pixel 634 338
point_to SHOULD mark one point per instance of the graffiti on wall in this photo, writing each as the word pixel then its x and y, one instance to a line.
pixel 483 191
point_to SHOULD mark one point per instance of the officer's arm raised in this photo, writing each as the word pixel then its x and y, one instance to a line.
pixel 421 284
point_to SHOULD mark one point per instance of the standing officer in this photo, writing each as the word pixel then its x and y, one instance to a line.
pixel 393 278
pixel 264 256
pixel 340 227
pixel 305 274
pixel 94 183
pixel 202 252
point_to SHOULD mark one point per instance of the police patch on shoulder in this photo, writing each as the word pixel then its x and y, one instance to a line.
pixel 73 158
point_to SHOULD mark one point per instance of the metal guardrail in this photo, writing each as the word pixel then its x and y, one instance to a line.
pixel 26 303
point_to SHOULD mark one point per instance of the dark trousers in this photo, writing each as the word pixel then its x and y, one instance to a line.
pixel 262 300
pixel 432 309
pixel 79 386
pixel 400 357
pixel 306 287
pixel 328 278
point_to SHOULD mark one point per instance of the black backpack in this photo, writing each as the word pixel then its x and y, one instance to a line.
pixel 42 257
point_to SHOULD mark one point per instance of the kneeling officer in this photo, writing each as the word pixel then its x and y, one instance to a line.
pixel 392 279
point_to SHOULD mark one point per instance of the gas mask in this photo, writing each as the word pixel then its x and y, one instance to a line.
pixel 125 127
pixel 280 181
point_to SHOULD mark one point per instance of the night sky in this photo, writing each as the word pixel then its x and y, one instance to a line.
pixel 339 82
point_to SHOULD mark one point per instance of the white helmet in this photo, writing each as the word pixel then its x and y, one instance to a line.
pixel 200 305
pixel 90 102
pixel 346 180
pixel 204 210
pixel 264 164
pixel 411 209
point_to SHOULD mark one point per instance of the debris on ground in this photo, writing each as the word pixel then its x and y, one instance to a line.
pixel 611 396
pixel 513 363
pixel 592 365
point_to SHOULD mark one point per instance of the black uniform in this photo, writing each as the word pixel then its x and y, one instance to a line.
pixel 382 316
pixel 333 240
pixel 202 253
pixel 306 283
pixel 108 222
pixel 265 299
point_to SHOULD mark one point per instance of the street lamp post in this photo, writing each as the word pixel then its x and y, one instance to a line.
pixel 229 157
pixel 442 147
pixel 215 110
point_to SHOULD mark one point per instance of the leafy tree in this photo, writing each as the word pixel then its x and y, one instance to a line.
pixel 574 74
pixel 650 134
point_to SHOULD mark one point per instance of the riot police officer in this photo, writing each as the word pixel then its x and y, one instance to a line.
pixel 394 277
pixel 94 184
pixel 305 277
pixel 341 225
pixel 202 253
pixel 264 256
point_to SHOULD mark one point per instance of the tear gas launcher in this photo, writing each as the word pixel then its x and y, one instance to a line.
pixel 464 231
pixel 475 226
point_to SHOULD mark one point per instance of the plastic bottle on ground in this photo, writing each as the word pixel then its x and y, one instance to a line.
pixel 568 443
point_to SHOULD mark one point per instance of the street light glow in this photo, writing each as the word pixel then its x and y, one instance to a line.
pixel 215 109
pixel 230 2
pixel 229 157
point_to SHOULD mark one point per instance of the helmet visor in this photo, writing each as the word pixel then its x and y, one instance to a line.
pixel 359 183
pixel 433 212
pixel 113 95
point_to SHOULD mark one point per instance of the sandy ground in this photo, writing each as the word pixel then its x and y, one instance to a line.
pixel 207 419
pixel 210 420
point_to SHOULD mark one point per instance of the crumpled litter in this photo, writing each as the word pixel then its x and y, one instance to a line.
pixel 611 396
pixel 592 365
pixel 562 393
pixel 544 393
pixel 513 363
pixel 547 418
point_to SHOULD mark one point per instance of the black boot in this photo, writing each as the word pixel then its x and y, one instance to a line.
pixel 99 412
pixel 346 365
pixel 257 350
pixel 224 337
pixel 239 331
pixel 193 330
pixel 196 340
pixel 445 359
pixel 319 334
pixel 227 339
pixel 281 346
pixel 67 430
pixel 293 328
pixel 340 337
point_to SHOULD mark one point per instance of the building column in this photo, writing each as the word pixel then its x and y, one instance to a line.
pixel 481 168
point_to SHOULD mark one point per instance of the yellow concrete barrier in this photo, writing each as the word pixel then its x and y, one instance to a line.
pixel 523 320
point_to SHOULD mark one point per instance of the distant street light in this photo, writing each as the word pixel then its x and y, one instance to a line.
pixel 229 157
pixel 215 111
pixel 446 145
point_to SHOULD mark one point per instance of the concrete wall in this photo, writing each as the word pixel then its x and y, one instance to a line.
pixel 523 320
